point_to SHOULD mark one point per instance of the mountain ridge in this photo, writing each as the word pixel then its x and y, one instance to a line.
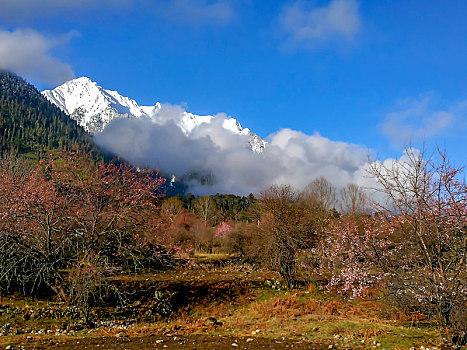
pixel 94 107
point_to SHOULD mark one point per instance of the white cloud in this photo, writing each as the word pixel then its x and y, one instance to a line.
pixel 21 11
pixel 309 26
pixel 197 12
pixel 415 120
pixel 28 53
pixel 290 157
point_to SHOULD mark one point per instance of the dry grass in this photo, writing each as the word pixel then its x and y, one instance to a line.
pixel 307 314
pixel 298 304
pixel 329 320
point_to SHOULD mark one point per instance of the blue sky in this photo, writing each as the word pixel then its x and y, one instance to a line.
pixel 379 74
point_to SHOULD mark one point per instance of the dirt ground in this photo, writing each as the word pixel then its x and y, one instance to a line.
pixel 163 342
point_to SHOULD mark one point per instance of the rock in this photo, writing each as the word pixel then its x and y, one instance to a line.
pixel 122 335
pixel 211 321
pixel 136 304
pixel 235 345
pixel 159 341
pixel 249 340
pixel 8 347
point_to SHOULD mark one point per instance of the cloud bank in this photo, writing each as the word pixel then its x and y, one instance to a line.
pixel 416 120
pixel 28 53
pixel 309 26
pixel 291 157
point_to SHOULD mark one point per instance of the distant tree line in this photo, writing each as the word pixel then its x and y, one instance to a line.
pixel 217 208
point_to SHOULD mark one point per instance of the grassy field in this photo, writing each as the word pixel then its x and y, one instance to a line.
pixel 229 304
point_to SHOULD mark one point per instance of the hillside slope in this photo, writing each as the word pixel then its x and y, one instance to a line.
pixel 29 123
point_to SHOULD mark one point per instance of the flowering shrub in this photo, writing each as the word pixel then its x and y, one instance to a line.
pixel 414 247
pixel 358 251
pixel 61 211
pixel 223 229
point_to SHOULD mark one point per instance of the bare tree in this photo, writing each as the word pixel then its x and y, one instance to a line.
pixel 319 199
pixel 353 200
pixel 283 230
pixel 172 206
pixel 320 194
pixel 204 207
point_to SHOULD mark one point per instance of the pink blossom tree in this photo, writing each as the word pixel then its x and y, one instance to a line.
pixel 66 209
pixel 415 246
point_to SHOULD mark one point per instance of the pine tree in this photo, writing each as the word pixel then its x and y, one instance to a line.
pixel 31 124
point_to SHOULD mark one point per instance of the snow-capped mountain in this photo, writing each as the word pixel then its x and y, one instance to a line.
pixel 94 108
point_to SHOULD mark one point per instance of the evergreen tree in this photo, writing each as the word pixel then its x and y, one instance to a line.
pixel 29 123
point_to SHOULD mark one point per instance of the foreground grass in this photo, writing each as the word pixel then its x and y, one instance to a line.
pixel 306 314
pixel 324 320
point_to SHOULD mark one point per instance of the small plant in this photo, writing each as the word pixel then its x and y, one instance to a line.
pixel 87 281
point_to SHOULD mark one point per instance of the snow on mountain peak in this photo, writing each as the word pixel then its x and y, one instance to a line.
pixel 94 107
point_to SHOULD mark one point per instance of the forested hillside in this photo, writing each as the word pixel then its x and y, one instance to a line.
pixel 30 124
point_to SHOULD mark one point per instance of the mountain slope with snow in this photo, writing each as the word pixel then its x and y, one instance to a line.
pixel 94 108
